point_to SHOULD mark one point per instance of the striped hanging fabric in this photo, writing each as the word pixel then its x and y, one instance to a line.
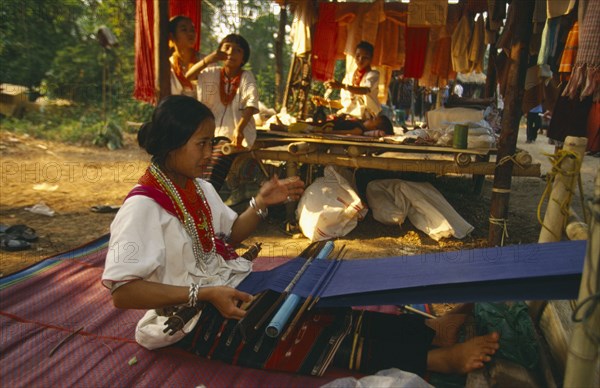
pixel 144 51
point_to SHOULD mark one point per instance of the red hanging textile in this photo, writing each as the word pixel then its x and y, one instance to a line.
pixel 144 51
pixel 416 49
pixel 144 88
pixel 325 45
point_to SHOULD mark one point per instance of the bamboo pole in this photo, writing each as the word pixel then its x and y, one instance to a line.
pixel 582 360
pixel 510 121
pixel 576 229
pixel 229 148
pixel 161 49
pixel 439 167
pixel 567 173
pixel 290 207
pixel 301 147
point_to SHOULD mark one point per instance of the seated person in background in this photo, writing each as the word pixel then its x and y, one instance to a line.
pixel 378 126
pixel 358 89
pixel 230 91
pixel 182 39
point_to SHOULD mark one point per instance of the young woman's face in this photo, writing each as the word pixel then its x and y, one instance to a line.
pixel 235 55
pixel 190 160
pixel 185 34
pixel 363 59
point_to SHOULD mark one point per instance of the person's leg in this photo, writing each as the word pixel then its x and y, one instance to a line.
pixel 530 127
pixel 537 124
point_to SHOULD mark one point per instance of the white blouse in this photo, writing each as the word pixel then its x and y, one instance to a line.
pixel 147 242
pixel 365 105
pixel 176 86
pixel 227 116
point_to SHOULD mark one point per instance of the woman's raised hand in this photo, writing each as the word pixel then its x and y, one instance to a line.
pixel 215 57
pixel 276 191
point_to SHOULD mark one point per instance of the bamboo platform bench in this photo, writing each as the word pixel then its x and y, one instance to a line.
pixel 365 152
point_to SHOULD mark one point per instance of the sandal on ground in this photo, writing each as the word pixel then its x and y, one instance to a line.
pixel 21 232
pixel 8 243
pixel 105 209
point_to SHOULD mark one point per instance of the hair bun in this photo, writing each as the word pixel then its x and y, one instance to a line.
pixel 142 135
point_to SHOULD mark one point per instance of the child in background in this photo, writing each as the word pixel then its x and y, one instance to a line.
pixel 231 93
pixel 182 40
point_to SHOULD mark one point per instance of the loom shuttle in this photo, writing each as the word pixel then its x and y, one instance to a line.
pixel 291 302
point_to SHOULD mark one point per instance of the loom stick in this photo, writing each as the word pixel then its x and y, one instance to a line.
pixel 334 269
pixel 308 252
pixel 58 345
pixel 417 311
pixel 291 302
pixel 309 298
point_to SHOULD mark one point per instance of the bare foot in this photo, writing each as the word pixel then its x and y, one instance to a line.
pixel 463 357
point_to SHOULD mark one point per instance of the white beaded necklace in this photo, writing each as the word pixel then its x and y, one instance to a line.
pixel 202 257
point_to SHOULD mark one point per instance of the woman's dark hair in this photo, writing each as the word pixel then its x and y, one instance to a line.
pixel 174 21
pixel 368 47
pixel 385 124
pixel 174 121
pixel 240 41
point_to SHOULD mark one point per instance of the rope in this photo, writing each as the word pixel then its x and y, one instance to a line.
pixel 556 161
pixel 508 158
pixel 502 222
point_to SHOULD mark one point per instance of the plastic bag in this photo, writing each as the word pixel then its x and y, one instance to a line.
pixel 329 207
pixel 513 323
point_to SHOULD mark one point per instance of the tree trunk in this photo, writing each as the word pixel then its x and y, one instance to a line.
pixel 510 121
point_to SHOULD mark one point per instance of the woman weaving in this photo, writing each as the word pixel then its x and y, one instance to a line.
pixel 169 247
pixel 358 90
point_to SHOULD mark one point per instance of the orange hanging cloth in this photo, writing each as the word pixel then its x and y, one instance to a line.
pixel 567 61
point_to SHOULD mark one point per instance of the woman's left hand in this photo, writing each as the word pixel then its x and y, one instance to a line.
pixel 276 191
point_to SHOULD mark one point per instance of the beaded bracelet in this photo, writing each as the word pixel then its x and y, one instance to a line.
pixel 259 212
pixel 193 294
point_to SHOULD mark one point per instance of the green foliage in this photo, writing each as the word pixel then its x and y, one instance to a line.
pixel 71 124
pixel 51 46
pixel 31 32
pixel 261 35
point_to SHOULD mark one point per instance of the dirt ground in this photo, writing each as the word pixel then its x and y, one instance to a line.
pixel 71 179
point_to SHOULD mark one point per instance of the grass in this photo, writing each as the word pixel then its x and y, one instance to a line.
pixel 75 124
